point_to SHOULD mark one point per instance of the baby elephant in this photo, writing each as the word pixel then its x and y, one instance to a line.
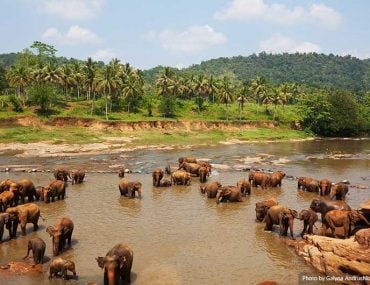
pixel 37 245
pixel 60 265
pixel 309 218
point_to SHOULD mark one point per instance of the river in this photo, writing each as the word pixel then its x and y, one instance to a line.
pixel 177 235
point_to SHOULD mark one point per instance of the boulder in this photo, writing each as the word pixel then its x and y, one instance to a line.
pixel 336 257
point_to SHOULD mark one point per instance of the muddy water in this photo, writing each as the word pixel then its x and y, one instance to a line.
pixel 177 235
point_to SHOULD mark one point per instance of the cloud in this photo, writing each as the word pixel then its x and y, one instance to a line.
pixel 74 36
pixel 71 9
pixel 281 44
pixel 192 40
pixel 105 55
pixel 327 16
pixel 361 54
pixel 249 10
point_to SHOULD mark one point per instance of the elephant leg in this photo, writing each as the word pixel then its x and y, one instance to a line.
pixel 332 227
pixel 347 227
pixel 305 224
pixel 290 229
pixel 1 233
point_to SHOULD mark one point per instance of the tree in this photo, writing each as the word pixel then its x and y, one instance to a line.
pixel 42 95
pixel 132 92
pixel 225 94
pixel 107 82
pixel 166 89
pixel 45 52
pixel 18 76
pixel 258 89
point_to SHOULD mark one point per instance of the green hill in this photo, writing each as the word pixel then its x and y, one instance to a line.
pixel 319 70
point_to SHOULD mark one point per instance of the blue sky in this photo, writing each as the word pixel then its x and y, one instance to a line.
pixel 179 33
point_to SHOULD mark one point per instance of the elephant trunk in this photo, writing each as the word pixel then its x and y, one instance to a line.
pixel 112 277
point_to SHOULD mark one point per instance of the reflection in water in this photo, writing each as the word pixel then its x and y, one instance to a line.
pixel 178 236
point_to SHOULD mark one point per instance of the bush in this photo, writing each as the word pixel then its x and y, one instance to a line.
pixel 16 103
pixel 44 96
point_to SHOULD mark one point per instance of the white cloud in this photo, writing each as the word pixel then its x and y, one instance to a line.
pixel 247 10
pixel 361 54
pixel 74 36
pixel 192 40
pixel 105 55
pixel 71 9
pixel 327 16
pixel 281 44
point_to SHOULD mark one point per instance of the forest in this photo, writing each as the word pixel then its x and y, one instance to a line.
pixel 326 95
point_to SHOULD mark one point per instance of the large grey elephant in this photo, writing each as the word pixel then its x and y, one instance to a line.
pixel 117 264
pixel 28 213
pixel 129 188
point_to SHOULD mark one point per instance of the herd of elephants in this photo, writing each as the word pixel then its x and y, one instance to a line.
pixel 18 206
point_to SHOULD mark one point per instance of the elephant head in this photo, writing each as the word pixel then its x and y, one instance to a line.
pixel 121 173
pixel 221 193
pixel 325 186
pixel 339 190
pixel 203 173
pixel 135 186
pixel 46 192
pixel 317 205
pixel 58 238
pixel 355 216
pixel 157 176
pixel 112 266
pixel 286 218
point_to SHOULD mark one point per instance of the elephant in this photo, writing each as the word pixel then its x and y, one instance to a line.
pixel 276 178
pixel 188 159
pixel 244 187
pixel 203 174
pixel 263 206
pixel 78 176
pixel 56 188
pixel 60 232
pixel 5 220
pixel 62 174
pixel 304 182
pixel 210 189
pixel 37 245
pixel 228 194
pixel 257 178
pixel 157 175
pixel 165 183
pixel 8 198
pixel 39 193
pixel 128 188
pixel 325 186
pixel 121 173
pixel 309 218
pixel 180 177
pixel 26 188
pixel 282 216
pixel 192 168
pixel 28 213
pixel 342 218
pixel 321 206
pixel 117 264
pixel 5 185
pixel 206 165
pixel 60 265
pixel 339 191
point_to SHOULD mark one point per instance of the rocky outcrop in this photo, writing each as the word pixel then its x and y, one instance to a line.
pixel 21 268
pixel 345 259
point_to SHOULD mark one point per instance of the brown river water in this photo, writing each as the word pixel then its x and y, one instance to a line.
pixel 177 235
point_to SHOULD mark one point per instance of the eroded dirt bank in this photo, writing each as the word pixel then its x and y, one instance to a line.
pixel 139 125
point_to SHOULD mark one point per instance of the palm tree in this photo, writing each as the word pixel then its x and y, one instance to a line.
pixel 77 77
pixel 107 82
pixel 89 72
pixel 18 76
pixel 212 87
pixel 132 90
pixel 166 88
pixel 258 89
pixel 66 78
pixel 225 94
pixel 200 88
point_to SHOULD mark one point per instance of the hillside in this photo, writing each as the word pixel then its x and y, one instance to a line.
pixel 320 70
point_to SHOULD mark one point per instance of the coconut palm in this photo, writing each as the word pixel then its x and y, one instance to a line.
pixel 18 76
pixel 107 82
pixel 225 93
pixel 132 91
pixel 89 73
pixel 200 87
pixel 258 89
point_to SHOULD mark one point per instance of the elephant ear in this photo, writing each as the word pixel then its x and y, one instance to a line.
pixel 100 261
pixel 6 219
pixel 294 213
pixel 51 230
